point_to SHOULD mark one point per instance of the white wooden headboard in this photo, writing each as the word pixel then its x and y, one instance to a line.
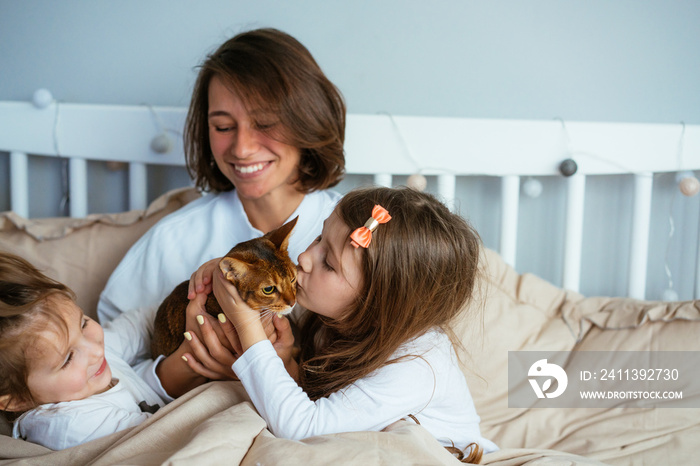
pixel 450 152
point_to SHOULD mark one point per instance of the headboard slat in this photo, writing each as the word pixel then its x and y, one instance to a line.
pixel 573 241
pixel 138 186
pixel 697 271
pixel 639 244
pixel 78 187
pixel 383 179
pixel 19 183
pixel 510 202
pixel 446 185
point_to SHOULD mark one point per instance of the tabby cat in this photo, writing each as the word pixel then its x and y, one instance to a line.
pixel 260 269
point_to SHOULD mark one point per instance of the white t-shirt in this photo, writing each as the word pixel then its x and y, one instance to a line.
pixel 181 242
pixel 133 399
pixel 431 387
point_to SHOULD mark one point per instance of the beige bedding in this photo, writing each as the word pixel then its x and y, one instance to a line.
pixel 216 424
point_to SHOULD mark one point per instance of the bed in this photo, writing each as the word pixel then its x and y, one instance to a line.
pixel 518 309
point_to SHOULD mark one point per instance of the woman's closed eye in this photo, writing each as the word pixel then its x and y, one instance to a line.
pixel 264 125
pixel 224 129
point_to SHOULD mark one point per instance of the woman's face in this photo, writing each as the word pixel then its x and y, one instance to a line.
pixel 68 367
pixel 257 165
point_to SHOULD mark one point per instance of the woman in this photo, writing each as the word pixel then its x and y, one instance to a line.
pixel 264 136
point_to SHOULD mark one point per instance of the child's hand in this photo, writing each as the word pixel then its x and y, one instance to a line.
pixel 285 345
pixel 249 326
pixel 200 281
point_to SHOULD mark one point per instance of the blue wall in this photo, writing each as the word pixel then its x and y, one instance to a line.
pixel 595 60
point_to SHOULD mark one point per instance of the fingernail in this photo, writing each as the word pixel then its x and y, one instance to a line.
pixel 200 320
pixel 222 318
pixel 188 336
pixel 184 358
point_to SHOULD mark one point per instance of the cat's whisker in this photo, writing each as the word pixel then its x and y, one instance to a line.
pixel 251 319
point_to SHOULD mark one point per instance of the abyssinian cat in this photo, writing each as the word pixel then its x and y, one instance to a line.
pixel 260 269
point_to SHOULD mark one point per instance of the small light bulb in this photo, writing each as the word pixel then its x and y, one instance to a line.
pixel 417 182
pixel 161 144
pixel 42 98
pixel 568 167
pixel 669 295
pixel 532 188
pixel 689 186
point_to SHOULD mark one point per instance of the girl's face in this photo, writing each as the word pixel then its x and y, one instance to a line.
pixel 328 274
pixel 254 162
pixel 68 367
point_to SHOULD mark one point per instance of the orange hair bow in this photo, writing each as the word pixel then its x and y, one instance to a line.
pixel 363 236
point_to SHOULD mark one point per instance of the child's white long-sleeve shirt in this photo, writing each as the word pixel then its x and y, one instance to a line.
pixel 430 386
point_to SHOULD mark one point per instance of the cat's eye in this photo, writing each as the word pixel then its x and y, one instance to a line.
pixel 268 290
pixel 294 279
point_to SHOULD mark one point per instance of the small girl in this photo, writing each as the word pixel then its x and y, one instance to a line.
pixel 376 346
pixel 64 378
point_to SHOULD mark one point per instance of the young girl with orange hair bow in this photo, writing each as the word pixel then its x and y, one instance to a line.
pixel 384 281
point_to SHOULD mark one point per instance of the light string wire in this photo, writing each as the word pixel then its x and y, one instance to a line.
pixel 64 204
pixel 159 121
pixel 671 223
pixel 420 168
pixel 572 152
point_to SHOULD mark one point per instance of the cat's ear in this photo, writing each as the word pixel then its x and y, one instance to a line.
pixel 280 236
pixel 233 268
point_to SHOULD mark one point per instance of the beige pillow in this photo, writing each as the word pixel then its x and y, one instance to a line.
pixel 83 252
pixel 525 313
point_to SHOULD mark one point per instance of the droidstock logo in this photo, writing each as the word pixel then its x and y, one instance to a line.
pixel 541 369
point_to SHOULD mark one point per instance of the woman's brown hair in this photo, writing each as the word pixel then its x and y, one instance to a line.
pixel 26 308
pixel 418 273
pixel 271 71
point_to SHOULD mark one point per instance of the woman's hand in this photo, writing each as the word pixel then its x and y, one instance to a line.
pixel 196 315
pixel 200 281
pixel 173 373
pixel 249 326
pixel 207 356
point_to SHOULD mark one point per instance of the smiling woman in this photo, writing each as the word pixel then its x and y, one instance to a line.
pixel 264 136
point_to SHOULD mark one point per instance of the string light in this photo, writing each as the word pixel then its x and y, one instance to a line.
pixel 42 99
pixel 689 186
pixel 532 188
pixel 161 143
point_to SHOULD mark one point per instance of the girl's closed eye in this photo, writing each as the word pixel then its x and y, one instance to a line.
pixel 83 324
pixel 327 266
pixel 68 361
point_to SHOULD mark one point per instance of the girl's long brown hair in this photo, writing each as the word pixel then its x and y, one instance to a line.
pixel 418 273
pixel 271 71
pixel 26 299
